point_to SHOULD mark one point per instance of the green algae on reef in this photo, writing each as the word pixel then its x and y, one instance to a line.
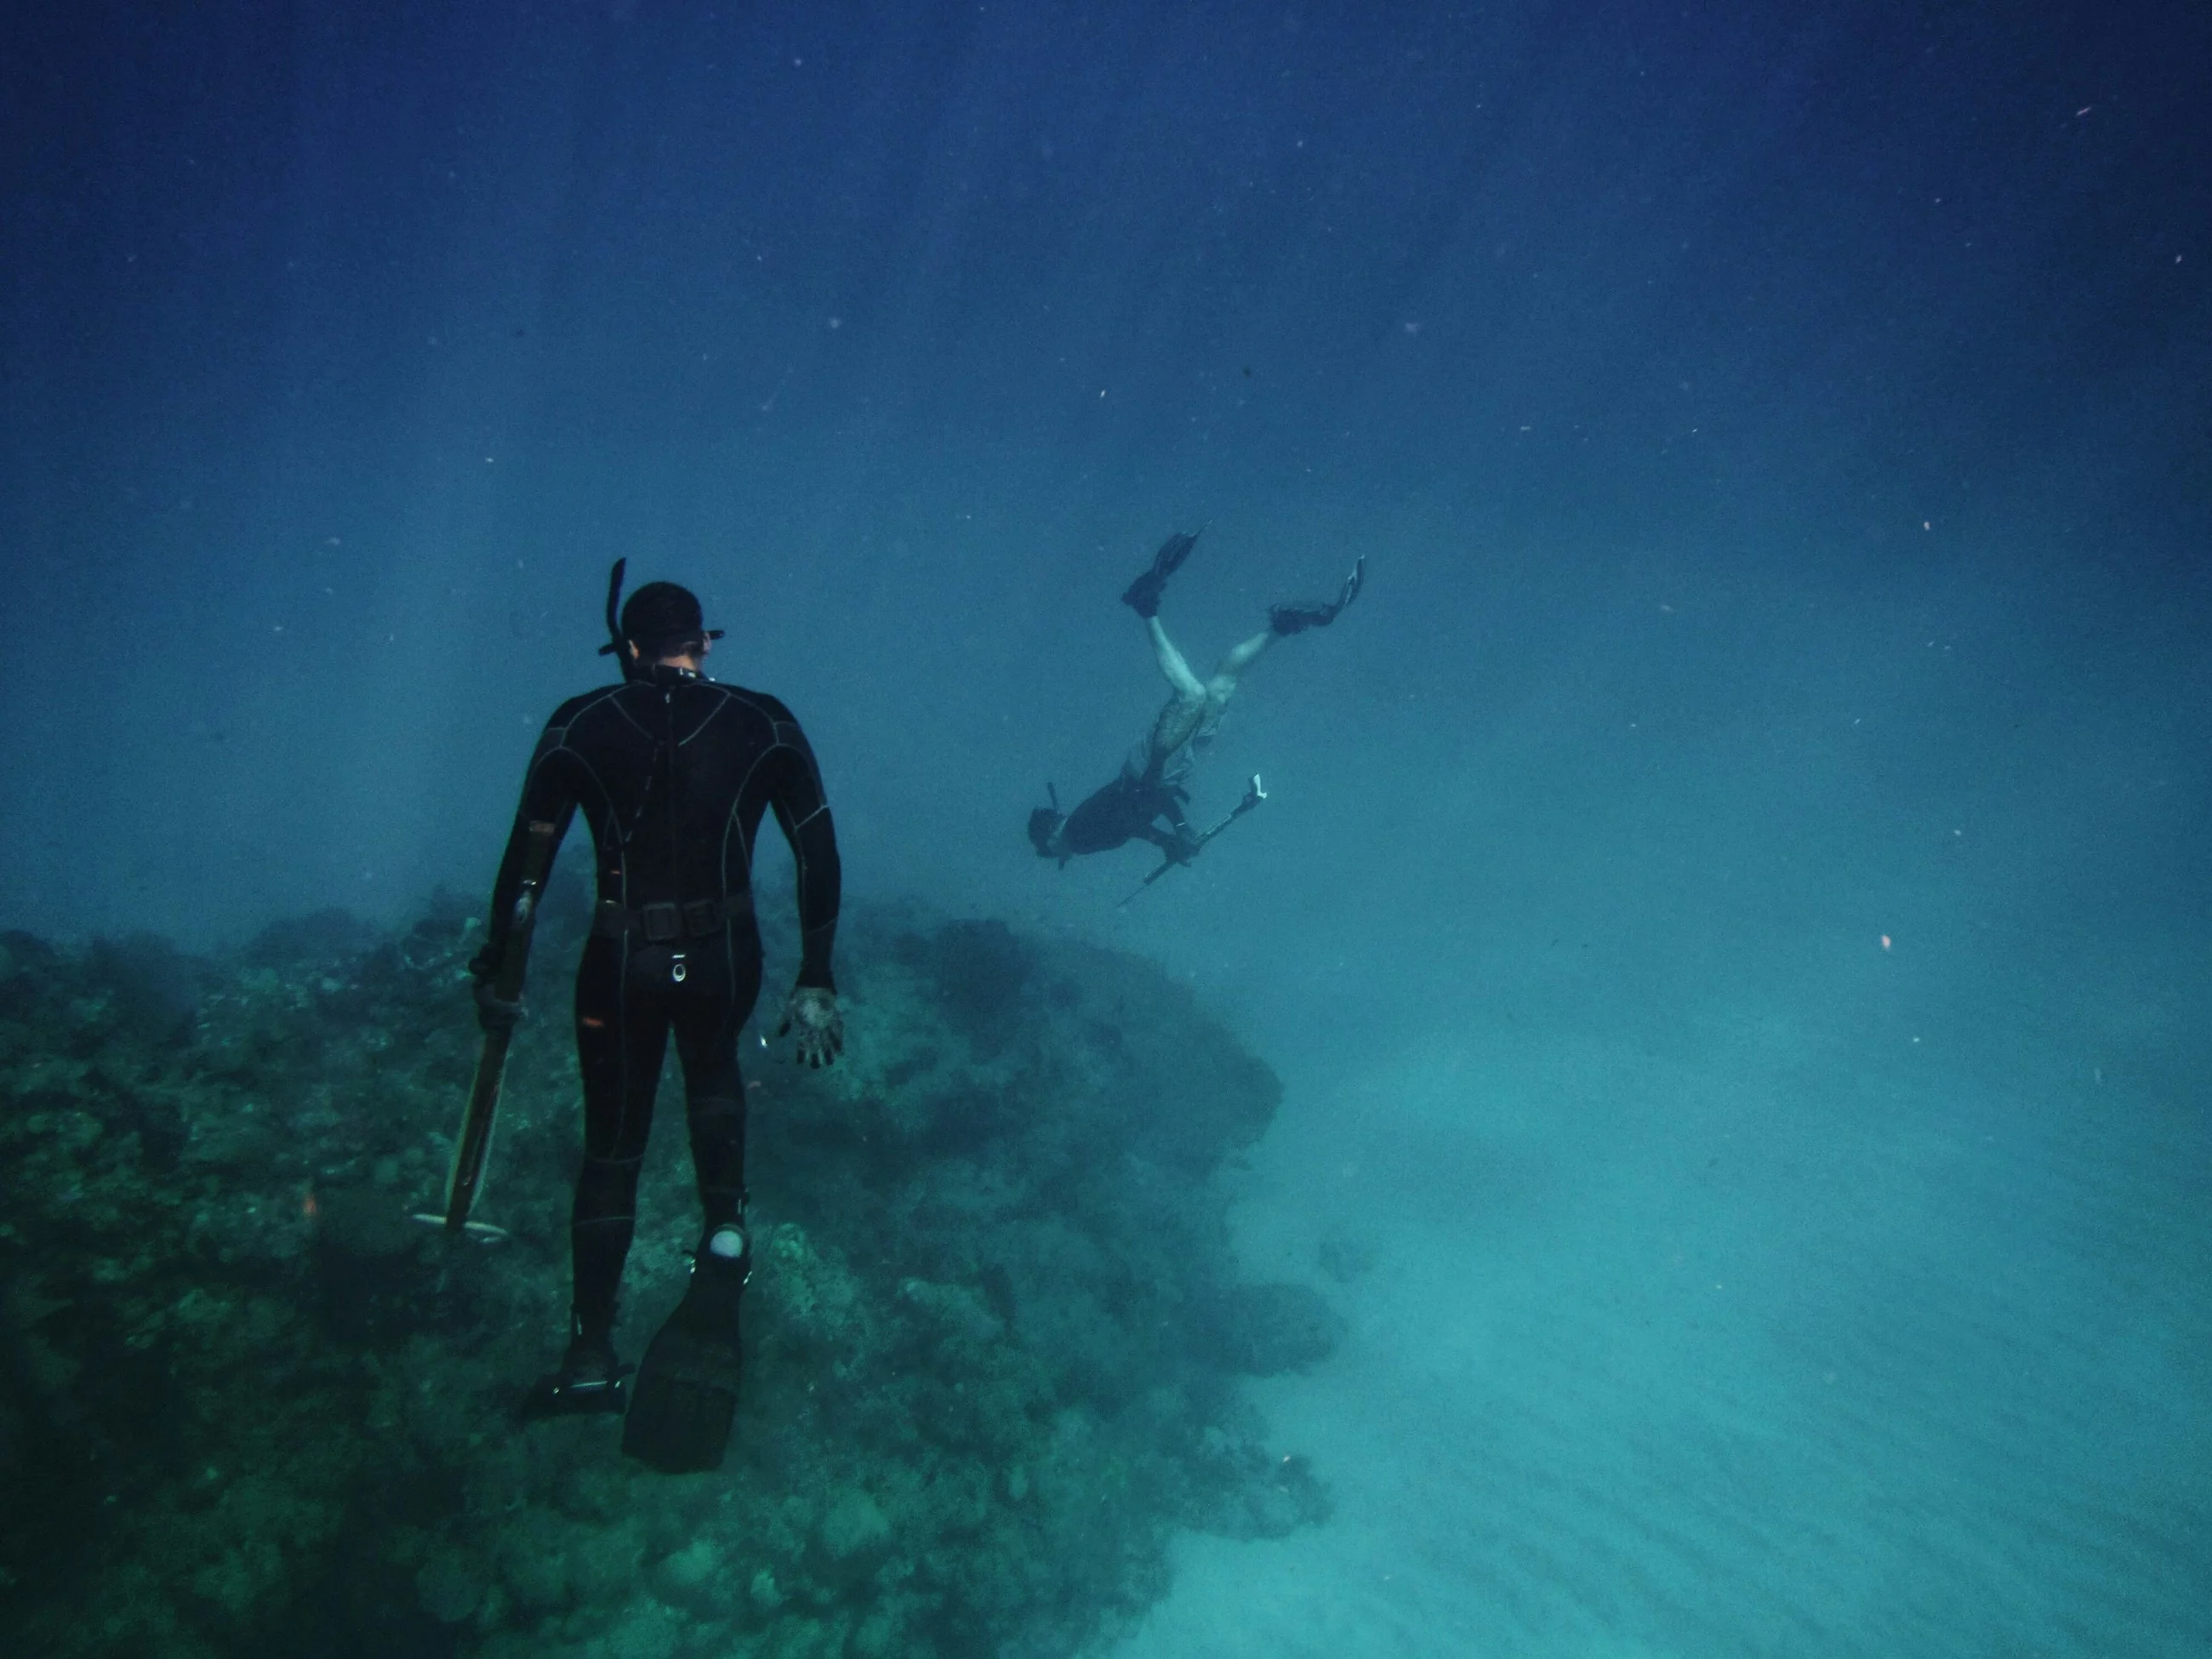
pixel 993 1337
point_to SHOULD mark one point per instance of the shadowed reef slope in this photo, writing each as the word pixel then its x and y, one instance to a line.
pixel 994 1332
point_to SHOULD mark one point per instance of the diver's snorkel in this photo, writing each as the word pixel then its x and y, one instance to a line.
pixel 615 646
pixel 660 627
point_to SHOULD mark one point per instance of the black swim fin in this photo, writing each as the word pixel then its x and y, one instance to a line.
pixel 1296 618
pixel 684 1395
pixel 590 1383
pixel 1144 594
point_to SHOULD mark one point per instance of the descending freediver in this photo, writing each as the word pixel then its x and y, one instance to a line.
pixel 673 772
pixel 1145 801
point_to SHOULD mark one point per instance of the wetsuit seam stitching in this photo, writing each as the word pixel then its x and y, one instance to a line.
pixel 713 714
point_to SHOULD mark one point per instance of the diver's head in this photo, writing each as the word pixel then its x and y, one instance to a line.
pixel 662 622
pixel 1045 833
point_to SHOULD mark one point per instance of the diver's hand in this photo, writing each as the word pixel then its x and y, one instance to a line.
pixel 813 1012
pixel 495 1013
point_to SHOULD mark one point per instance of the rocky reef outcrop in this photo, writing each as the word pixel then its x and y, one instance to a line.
pixel 995 1334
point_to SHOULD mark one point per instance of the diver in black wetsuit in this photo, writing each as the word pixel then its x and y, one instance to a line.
pixel 673 772
pixel 1145 801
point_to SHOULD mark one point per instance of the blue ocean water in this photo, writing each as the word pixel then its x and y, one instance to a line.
pixel 1728 912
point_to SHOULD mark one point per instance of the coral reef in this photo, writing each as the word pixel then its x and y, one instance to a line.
pixel 994 1333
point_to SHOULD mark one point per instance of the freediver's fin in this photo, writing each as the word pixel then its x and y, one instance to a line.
pixel 1297 618
pixel 1144 594
pixel 591 1383
pixel 684 1395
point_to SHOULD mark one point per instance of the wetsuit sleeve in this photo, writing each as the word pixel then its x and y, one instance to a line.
pixel 802 811
pixel 548 796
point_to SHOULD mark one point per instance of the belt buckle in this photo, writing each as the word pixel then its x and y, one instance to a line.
pixel 660 922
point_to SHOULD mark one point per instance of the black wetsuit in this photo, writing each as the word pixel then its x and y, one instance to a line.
pixel 673 773
pixel 1124 810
